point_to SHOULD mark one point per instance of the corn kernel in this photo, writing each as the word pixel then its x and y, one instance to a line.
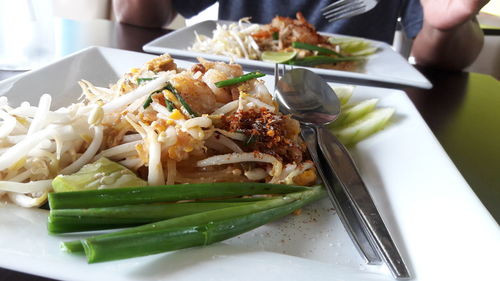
pixel 308 177
pixel 16 166
pixel 176 115
pixel 160 127
pixel 86 137
pixel 96 116
pixel 22 120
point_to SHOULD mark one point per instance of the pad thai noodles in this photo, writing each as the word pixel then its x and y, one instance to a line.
pixel 168 125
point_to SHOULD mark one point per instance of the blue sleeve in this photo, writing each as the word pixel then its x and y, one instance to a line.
pixel 189 8
pixel 412 18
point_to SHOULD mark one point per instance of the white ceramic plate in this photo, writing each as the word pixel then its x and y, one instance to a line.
pixel 442 229
pixel 386 66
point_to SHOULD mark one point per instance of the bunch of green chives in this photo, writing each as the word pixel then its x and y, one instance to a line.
pixel 167 218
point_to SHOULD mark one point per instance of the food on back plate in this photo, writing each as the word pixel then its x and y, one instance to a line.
pixel 284 40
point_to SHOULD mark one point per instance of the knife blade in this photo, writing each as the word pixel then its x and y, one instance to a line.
pixel 345 170
pixel 345 210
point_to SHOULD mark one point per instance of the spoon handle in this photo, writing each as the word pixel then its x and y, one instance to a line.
pixel 345 210
pixel 346 171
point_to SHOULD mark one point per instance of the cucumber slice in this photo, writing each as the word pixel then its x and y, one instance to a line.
pixel 353 112
pixel 101 174
pixel 365 52
pixel 364 127
pixel 344 92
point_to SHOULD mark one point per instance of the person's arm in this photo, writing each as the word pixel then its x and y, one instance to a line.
pixel 145 13
pixel 450 37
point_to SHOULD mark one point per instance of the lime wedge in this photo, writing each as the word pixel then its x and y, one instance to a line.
pixel 278 57
pixel 353 46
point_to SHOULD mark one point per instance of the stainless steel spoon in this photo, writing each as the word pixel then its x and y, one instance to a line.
pixel 310 100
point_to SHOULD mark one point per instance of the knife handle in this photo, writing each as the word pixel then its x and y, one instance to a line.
pixel 347 173
pixel 343 207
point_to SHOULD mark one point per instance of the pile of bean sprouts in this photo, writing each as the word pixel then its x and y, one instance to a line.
pixel 233 40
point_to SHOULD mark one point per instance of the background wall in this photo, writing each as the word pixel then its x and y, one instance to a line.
pixel 102 9
pixel 12 11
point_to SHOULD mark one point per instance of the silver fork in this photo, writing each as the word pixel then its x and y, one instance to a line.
pixel 277 75
pixel 341 9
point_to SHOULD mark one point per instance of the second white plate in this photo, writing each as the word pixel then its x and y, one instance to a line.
pixel 386 66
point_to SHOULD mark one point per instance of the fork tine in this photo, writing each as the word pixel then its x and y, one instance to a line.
pixel 348 12
pixel 334 5
pixel 353 6
pixel 346 15
pixel 278 73
pixel 283 70
pixel 341 8
pixel 276 78
pixel 347 8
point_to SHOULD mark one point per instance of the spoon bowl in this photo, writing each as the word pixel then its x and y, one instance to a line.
pixel 307 97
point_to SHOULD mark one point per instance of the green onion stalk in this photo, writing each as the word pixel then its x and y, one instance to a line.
pixel 184 104
pixel 142 80
pixel 239 79
pixel 163 193
pixel 320 50
pixel 192 230
pixel 169 104
pixel 315 60
pixel 85 219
